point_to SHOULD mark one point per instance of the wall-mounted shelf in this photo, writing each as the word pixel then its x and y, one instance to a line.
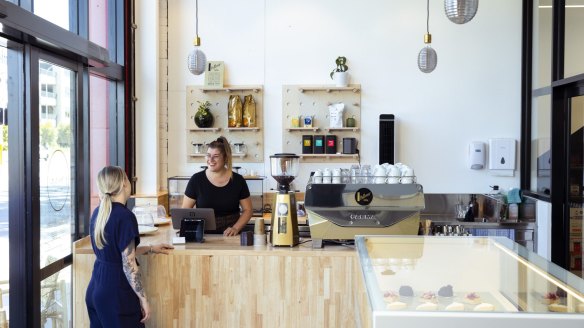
pixel 327 88
pixel 219 99
pixel 329 156
pixel 313 129
pixel 233 88
pixel 204 129
pixel 301 100
pixel 243 129
pixel 342 129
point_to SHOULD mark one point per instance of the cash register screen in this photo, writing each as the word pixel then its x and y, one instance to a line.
pixel 206 214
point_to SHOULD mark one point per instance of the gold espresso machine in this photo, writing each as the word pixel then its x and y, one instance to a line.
pixel 284 226
pixel 340 211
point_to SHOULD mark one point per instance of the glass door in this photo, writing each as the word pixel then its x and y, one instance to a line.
pixel 56 161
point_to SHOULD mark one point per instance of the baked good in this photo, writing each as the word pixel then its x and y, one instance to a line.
pixel 428 297
pixel 445 291
pixel 555 307
pixel 427 306
pixel 472 298
pixel 484 307
pixel 551 298
pixel 454 306
pixel 581 307
pixel 406 291
pixel 390 296
pixel 396 306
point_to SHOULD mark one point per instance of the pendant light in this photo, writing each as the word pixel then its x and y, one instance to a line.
pixel 197 59
pixel 461 11
pixel 427 58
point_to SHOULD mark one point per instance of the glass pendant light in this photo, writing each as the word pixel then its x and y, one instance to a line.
pixel 461 11
pixel 427 58
pixel 197 59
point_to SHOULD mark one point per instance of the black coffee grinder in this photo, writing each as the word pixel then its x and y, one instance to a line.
pixel 284 169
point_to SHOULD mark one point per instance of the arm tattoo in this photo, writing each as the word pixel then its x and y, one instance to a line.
pixel 131 269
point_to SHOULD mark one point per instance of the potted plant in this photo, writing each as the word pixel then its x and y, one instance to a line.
pixel 339 74
pixel 203 117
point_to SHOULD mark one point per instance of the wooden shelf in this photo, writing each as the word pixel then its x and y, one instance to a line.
pixel 205 129
pixel 303 129
pixel 342 129
pixel 233 88
pixel 352 87
pixel 243 129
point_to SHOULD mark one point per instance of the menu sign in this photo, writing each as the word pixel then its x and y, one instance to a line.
pixel 214 74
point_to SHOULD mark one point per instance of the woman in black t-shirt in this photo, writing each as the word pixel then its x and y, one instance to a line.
pixel 221 189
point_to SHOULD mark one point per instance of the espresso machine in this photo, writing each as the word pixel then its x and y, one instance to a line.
pixel 284 168
pixel 340 211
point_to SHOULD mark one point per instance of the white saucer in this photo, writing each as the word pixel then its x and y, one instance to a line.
pixel 146 229
pixel 160 221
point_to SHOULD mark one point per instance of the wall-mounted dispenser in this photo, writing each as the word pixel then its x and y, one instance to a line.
pixel 476 155
pixel 502 156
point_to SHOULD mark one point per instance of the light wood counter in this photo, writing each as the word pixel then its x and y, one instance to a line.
pixel 219 283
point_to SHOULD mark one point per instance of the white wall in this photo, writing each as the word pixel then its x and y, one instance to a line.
pixel 474 93
pixel 147 85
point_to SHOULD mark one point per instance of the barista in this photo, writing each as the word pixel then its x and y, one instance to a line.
pixel 221 189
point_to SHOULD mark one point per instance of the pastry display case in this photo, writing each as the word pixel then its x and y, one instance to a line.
pixel 419 281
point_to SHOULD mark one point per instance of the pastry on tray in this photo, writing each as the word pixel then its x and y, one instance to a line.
pixel 428 297
pixel 472 298
pixel 427 306
pixel 445 291
pixel 396 306
pixel 390 296
pixel 454 306
pixel 484 307
pixel 551 298
pixel 555 307
pixel 406 291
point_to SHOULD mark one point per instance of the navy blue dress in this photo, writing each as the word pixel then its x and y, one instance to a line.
pixel 110 300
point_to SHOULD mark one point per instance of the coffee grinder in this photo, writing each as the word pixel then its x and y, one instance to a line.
pixel 284 168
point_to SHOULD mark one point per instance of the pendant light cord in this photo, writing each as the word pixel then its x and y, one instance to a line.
pixel 197 17
pixel 428 16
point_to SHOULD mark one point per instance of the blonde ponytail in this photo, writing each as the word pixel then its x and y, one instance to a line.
pixel 110 181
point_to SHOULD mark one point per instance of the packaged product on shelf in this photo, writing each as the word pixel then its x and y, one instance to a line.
pixel 249 112
pixel 336 115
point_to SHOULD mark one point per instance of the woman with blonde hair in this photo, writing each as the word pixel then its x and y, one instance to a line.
pixel 221 189
pixel 115 296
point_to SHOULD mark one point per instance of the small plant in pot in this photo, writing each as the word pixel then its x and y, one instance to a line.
pixel 339 74
pixel 203 117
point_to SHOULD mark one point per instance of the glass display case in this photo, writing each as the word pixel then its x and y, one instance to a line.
pixel 419 281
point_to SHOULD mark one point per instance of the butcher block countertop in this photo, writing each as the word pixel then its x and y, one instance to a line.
pixel 219 283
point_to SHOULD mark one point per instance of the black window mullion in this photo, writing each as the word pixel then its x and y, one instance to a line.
pixel 526 95
pixel 558 24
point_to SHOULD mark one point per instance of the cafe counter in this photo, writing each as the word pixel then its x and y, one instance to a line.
pixel 222 284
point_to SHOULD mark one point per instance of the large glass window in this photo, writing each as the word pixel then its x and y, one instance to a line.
pixel 99 109
pixel 574 44
pixel 55 11
pixel 576 186
pixel 542 43
pixel 541 145
pixel 56 299
pixel 56 160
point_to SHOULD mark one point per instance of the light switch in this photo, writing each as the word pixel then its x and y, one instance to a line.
pixel 501 154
